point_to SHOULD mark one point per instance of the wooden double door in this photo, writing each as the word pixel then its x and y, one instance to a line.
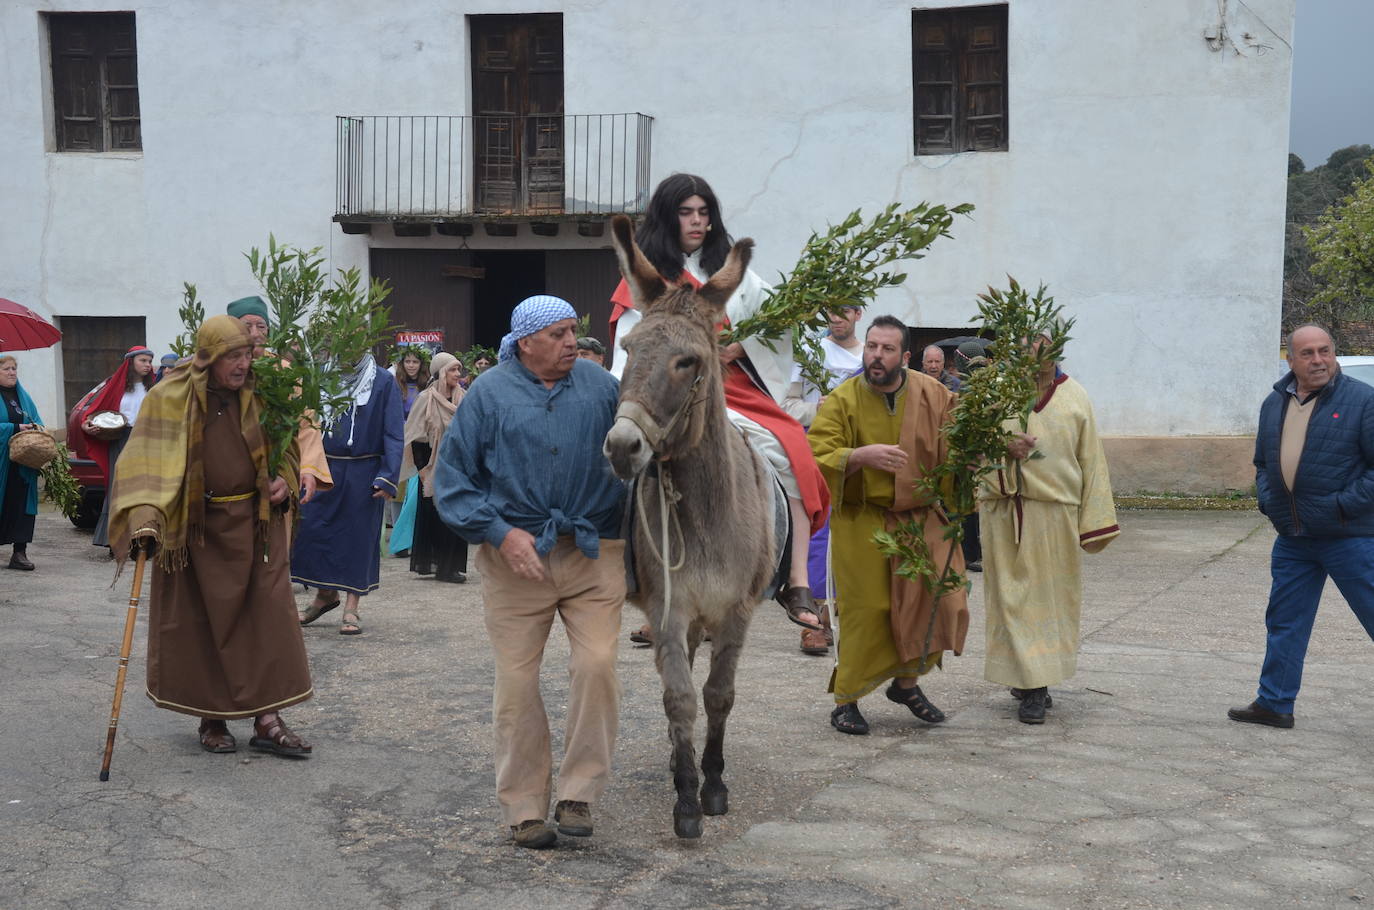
pixel 517 93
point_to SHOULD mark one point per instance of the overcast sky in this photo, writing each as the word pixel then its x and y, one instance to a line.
pixel 1333 78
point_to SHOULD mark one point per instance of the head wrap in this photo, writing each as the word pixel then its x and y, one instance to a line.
pixel 248 306
pixel 160 481
pixel 441 362
pixel 532 315
pixel 169 359
pixel 107 397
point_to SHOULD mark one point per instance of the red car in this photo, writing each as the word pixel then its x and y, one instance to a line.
pixel 86 471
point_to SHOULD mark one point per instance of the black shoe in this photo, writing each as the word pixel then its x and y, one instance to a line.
pixel 847 719
pixel 1256 713
pixel 1033 705
pixel 21 562
pixel 975 566
pixel 1019 694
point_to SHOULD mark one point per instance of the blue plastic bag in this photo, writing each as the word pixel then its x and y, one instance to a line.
pixel 403 531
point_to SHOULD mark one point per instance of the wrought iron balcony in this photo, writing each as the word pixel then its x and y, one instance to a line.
pixel 436 168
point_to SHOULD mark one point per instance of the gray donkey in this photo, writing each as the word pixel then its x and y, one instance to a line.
pixel 702 500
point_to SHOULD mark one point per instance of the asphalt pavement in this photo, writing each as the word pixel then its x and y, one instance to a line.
pixel 1137 792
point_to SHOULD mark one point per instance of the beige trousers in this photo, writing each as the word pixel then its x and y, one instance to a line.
pixel 587 594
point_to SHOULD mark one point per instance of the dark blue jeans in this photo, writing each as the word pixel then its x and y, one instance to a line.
pixel 1299 567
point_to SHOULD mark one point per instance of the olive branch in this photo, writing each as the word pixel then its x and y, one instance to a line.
pixel 848 264
pixel 977 435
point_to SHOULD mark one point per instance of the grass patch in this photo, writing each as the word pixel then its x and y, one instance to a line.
pixel 1228 502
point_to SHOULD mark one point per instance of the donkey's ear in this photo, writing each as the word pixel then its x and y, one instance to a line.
pixel 646 284
pixel 724 282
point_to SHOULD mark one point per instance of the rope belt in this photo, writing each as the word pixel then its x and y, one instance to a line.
pixel 350 457
pixel 237 497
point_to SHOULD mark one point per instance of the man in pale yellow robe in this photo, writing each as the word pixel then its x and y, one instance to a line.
pixel 1036 517
pixel 873 437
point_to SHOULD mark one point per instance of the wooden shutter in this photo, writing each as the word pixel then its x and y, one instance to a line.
pixel 959 77
pixel 517 77
pixel 95 82
pixel 92 346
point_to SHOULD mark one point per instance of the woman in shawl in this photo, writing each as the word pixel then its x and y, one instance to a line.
pixel 124 392
pixel 436 550
pixel 18 484
pixel 192 485
pixel 684 237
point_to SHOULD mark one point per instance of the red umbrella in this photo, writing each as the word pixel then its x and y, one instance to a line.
pixel 21 329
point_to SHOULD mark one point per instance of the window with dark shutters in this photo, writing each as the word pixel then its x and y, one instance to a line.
pixel 95 82
pixel 959 74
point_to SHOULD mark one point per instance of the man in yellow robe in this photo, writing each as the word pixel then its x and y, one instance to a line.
pixel 1036 517
pixel 873 437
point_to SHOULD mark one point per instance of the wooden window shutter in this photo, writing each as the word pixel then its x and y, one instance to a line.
pixel 95 82
pixel 959 78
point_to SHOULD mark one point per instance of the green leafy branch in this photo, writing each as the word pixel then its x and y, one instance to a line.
pixel 192 314
pixel 476 353
pixel 313 330
pixel 991 400
pixel 59 486
pixel 848 264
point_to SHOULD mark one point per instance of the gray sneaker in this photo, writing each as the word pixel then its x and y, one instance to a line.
pixel 574 819
pixel 533 833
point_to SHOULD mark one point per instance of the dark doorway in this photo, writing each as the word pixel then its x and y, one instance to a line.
pixel 430 290
pixel 92 346
pixel 584 278
pixel 510 278
pixel 517 95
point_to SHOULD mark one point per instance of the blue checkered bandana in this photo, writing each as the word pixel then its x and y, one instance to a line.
pixel 533 314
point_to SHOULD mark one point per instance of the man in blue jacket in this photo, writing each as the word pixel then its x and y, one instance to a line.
pixel 1314 471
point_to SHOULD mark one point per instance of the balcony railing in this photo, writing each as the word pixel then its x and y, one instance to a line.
pixel 436 167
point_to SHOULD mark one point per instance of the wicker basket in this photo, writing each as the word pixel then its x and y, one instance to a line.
pixel 33 448
pixel 106 425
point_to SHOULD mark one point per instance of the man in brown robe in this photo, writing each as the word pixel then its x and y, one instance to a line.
pixel 223 640
pixel 874 436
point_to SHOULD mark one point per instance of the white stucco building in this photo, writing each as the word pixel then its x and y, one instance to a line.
pixel 1130 155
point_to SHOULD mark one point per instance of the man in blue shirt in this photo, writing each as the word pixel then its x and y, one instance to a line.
pixel 520 471
pixel 1314 474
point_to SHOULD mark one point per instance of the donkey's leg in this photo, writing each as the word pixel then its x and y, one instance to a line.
pixel 719 697
pixel 680 705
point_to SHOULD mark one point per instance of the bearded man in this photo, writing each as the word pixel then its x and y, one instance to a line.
pixel 873 437
pixel 192 487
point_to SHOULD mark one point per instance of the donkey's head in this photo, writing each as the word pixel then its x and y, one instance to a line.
pixel 670 390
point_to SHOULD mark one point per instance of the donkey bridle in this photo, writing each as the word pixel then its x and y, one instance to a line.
pixel 654 434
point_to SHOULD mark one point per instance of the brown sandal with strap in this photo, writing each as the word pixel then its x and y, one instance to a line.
pixel 278 738
pixel 215 736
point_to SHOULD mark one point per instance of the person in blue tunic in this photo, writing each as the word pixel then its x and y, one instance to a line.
pixel 18 484
pixel 520 472
pixel 338 546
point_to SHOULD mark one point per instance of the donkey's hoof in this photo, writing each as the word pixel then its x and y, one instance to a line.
pixel 715 802
pixel 687 826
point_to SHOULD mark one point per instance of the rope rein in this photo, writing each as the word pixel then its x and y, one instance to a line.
pixel 668 495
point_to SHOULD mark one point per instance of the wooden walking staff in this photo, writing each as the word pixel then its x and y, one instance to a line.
pixel 123 661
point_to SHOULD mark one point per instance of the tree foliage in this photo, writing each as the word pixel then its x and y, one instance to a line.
pixel 1312 194
pixel 1342 246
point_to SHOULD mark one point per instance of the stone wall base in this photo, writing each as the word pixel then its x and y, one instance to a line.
pixel 1180 464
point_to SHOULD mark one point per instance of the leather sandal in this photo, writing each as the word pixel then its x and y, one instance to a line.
pixel 644 635
pixel 278 738
pixel 350 626
pixel 215 736
pixel 916 701
pixel 796 600
pixel 315 611
pixel 847 719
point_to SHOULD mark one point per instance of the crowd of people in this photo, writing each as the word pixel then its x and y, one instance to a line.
pixel 506 456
